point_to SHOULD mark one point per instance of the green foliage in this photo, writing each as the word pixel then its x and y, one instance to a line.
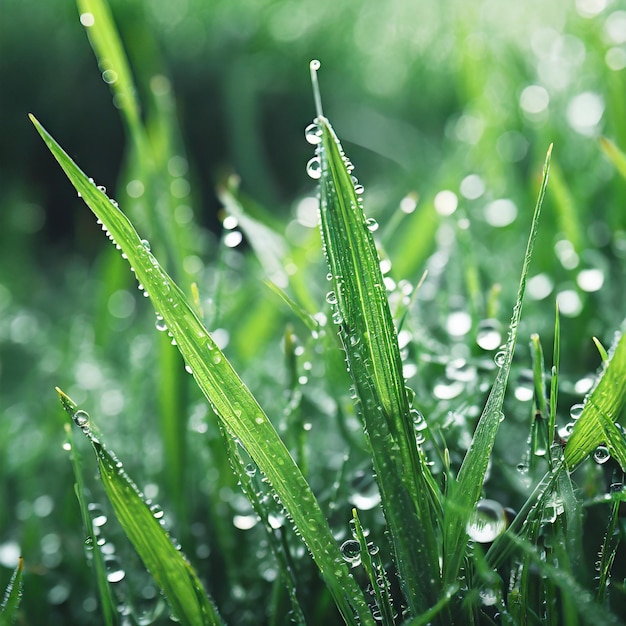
pixel 358 456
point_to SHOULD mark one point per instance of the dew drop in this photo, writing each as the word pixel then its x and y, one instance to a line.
pixel 313 134
pixel 576 411
pixel 499 358
pixel 487 522
pixel 372 224
pixel 146 244
pixel 331 297
pixel 188 369
pixel 351 552
pixel 359 189
pixel 601 455
pixel 160 324
pixel 314 168
pixel 116 576
pixel 81 418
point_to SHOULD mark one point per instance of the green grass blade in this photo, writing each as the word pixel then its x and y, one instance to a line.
pixel 609 547
pixel 97 18
pixel 230 398
pixel 361 312
pixel 464 493
pixel 13 595
pixel 104 590
pixel 596 425
pixel 167 565
pixel 614 154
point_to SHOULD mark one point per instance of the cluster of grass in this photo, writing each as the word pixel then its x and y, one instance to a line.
pixel 407 447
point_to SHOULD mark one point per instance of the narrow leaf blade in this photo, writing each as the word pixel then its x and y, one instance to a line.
pixel 230 398
pixel 465 492
pixel 13 595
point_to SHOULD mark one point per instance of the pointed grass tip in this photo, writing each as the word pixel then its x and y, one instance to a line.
pixel 315 65
pixel 68 404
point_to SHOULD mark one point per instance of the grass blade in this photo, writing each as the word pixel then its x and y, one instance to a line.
pixel 614 154
pixel 12 596
pixel 596 425
pixel 465 491
pixel 163 559
pixel 230 398
pixel 104 590
pixel 361 312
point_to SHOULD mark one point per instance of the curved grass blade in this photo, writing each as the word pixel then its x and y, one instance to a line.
pixel 104 590
pixel 12 596
pixel 167 565
pixel 596 425
pixel 614 154
pixel 410 500
pixel 230 398
pixel 464 493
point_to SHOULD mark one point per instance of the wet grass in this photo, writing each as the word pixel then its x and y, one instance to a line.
pixel 397 454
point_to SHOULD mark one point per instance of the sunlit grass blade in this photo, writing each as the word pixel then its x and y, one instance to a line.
pixel 464 493
pixel 615 155
pixel 362 316
pixel 167 565
pixel 12 596
pixel 230 398
pixel 97 19
pixel 596 425
pixel 107 601
pixel 554 381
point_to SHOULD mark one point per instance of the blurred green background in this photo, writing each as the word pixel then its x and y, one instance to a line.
pixel 455 96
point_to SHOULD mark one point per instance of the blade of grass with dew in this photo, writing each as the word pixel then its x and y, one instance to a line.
pixel 229 397
pixel 608 550
pixel 245 476
pixel 361 312
pixel 148 163
pixel 373 566
pixel 576 595
pixel 107 601
pixel 464 493
pixel 167 565
pixel 539 440
pixel 601 409
pixel 554 383
pixel 12 596
pixel 614 154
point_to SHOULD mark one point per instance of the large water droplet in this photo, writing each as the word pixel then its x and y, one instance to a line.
pixel 576 411
pixel 372 224
pixel 601 455
pixel 313 134
pixel 351 552
pixel 81 418
pixel 314 168
pixel 331 297
pixel 160 323
pixel 487 522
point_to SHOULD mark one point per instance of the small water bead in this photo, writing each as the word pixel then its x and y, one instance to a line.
pixel 250 469
pixel 372 224
pixel 487 522
pixel 313 134
pixel 601 455
pixel 146 245
pixel 81 418
pixel 500 358
pixel 188 369
pixel 331 297
pixel 116 576
pixel 359 189
pixel 160 324
pixel 576 411
pixel 314 168
pixel 566 431
pixel 351 552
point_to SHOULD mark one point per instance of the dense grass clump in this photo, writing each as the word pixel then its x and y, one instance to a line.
pixel 395 402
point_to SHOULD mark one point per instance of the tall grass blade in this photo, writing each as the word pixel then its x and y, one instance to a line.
pixel 107 601
pixel 167 565
pixel 230 398
pixel 465 491
pixel 611 542
pixel 361 313
pixel 614 154
pixel 12 596
pixel 597 423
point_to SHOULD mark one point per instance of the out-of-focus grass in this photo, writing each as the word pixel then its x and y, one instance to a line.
pixel 456 97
